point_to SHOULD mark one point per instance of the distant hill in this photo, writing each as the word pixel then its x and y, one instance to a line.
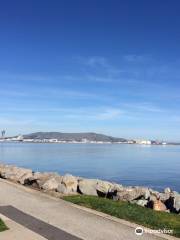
pixel 73 136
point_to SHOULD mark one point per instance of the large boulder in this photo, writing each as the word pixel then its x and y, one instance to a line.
pixel 133 193
pixel 167 190
pixel 38 179
pixel 154 195
pixel 141 202
pixel 88 187
pixel 159 206
pixel 164 196
pixel 171 200
pixel 112 194
pixel 177 202
pixel 7 171
pixel 116 188
pixel 103 187
pixel 24 179
pixel 62 189
pixel 68 185
pixel 15 174
pixel 2 166
pixel 52 184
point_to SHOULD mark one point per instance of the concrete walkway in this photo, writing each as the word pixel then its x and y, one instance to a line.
pixel 66 216
pixel 17 231
pixel 37 226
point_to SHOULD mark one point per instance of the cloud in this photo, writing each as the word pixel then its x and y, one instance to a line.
pixel 109 114
pixel 148 107
pixel 97 61
pixel 5 75
pixel 44 93
pixel 6 121
pixel 96 113
pixel 135 58
pixel 93 61
pixel 90 112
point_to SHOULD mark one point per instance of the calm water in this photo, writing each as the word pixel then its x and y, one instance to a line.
pixel 153 166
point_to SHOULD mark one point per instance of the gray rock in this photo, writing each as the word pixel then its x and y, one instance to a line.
pixel 51 184
pixel 153 198
pixel 103 186
pixel 62 189
pixel 15 174
pixel 167 190
pixel 2 166
pixel 129 194
pixel 25 178
pixel 116 188
pixel 142 202
pixel 68 185
pixel 159 206
pixel 41 178
pixel 88 187
pixel 174 193
pixel 154 195
pixel 177 202
pixel 164 196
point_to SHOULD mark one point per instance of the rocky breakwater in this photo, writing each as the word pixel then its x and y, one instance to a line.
pixel 53 183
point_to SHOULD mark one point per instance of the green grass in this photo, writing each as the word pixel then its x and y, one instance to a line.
pixel 2 226
pixel 130 212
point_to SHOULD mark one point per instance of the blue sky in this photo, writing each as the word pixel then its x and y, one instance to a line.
pixel 105 66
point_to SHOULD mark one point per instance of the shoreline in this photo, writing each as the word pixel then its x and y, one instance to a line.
pixel 54 184
pixel 93 143
pixel 81 221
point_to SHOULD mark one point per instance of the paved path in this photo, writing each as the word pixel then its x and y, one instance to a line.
pixel 17 231
pixel 65 216
pixel 41 228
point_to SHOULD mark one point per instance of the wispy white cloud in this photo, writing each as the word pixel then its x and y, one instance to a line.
pixel 109 114
pixel 45 92
pixel 101 63
pixel 92 113
pixel 145 107
pixel 136 58
pixel 6 121
pixel 6 76
pixel 96 113
pixel 93 61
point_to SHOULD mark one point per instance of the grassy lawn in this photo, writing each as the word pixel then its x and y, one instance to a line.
pixel 131 212
pixel 2 226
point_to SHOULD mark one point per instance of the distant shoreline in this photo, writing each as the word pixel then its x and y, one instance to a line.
pixel 97 143
pixel 81 137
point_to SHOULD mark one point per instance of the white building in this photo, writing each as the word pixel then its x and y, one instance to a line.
pixel 143 142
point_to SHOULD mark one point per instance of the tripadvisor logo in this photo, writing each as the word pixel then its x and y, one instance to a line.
pixel 139 231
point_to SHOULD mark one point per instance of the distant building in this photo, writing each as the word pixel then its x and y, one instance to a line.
pixel 53 140
pixel 144 142
pixel 20 138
